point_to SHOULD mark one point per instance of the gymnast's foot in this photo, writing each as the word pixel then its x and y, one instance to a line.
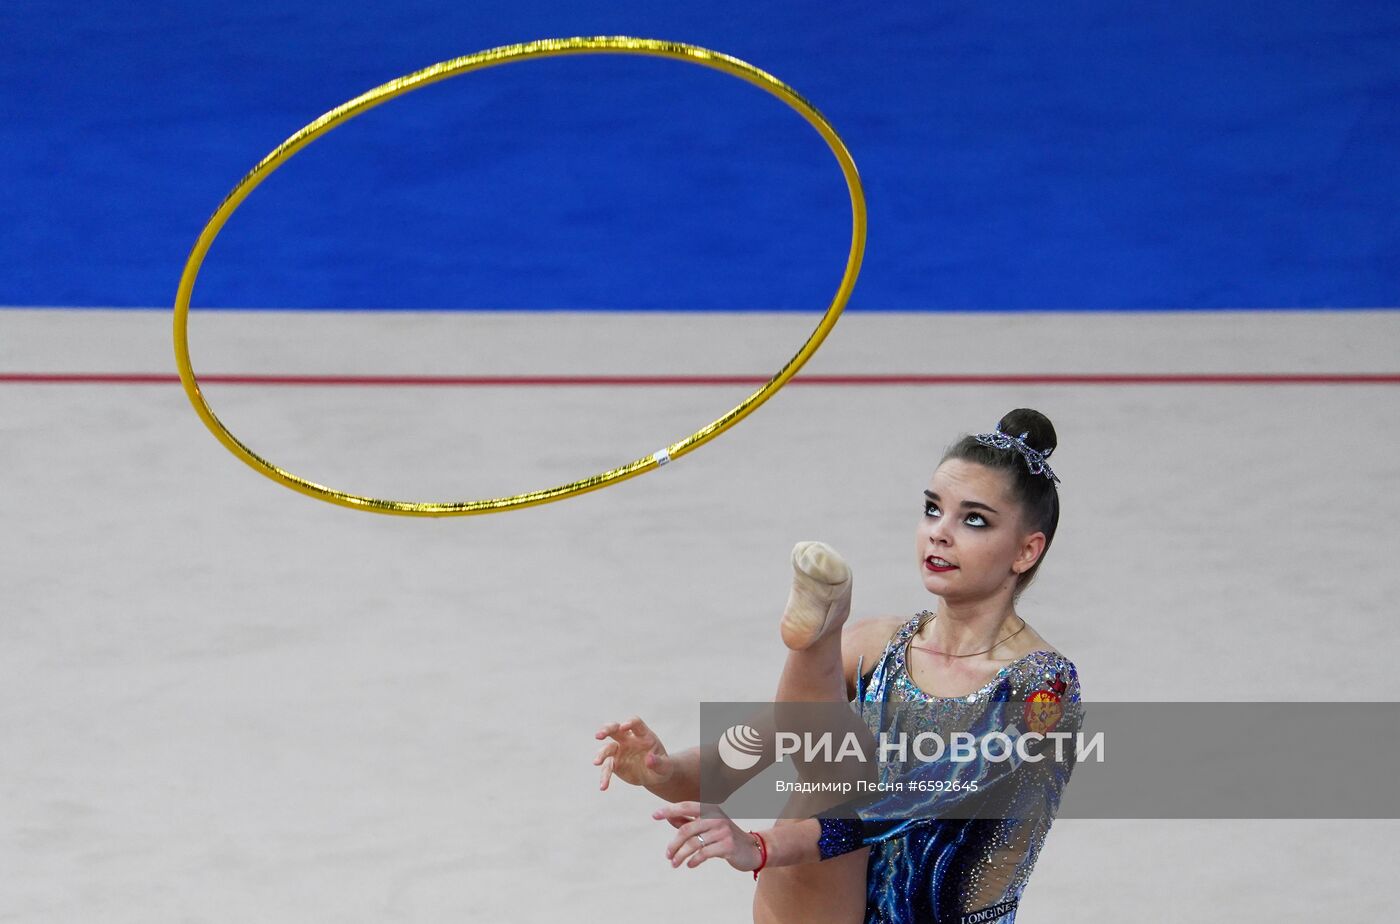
pixel 820 599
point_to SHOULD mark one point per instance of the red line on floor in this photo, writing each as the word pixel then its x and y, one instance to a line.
pixel 129 378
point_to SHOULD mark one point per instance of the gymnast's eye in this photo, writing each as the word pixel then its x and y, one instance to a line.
pixel 931 510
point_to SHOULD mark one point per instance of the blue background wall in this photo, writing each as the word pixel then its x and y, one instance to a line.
pixel 1100 155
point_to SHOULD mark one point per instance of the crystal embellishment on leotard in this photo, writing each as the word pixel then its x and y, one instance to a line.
pixel 929 868
pixel 1035 459
pixel 839 835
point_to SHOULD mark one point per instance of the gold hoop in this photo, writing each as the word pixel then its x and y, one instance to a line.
pixel 441 71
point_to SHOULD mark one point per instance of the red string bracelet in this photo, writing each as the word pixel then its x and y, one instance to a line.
pixel 762 853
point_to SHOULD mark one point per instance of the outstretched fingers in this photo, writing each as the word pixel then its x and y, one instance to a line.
pixel 625 730
pixel 630 742
pixel 607 758
pixel 694 821
pixel 686 810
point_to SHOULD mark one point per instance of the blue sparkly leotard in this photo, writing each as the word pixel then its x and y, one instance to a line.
pixel 965 870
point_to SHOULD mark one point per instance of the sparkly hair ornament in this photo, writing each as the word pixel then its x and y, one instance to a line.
pixel 1035 460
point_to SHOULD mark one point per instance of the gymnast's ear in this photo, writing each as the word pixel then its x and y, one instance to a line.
pixel 1030 553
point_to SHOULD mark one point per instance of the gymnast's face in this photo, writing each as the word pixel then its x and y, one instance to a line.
pixel 972 522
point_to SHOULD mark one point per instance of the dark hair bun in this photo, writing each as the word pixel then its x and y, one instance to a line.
pixel 1041 432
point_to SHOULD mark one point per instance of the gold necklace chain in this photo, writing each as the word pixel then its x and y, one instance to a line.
pixel 970 653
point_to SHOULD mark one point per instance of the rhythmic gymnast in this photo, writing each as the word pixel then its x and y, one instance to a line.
pixel 989 515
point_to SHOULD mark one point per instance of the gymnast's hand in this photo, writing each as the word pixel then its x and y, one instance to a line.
pixel 634 754
pixel 704 831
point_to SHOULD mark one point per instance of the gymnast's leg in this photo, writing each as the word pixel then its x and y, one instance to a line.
pixel 832 891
